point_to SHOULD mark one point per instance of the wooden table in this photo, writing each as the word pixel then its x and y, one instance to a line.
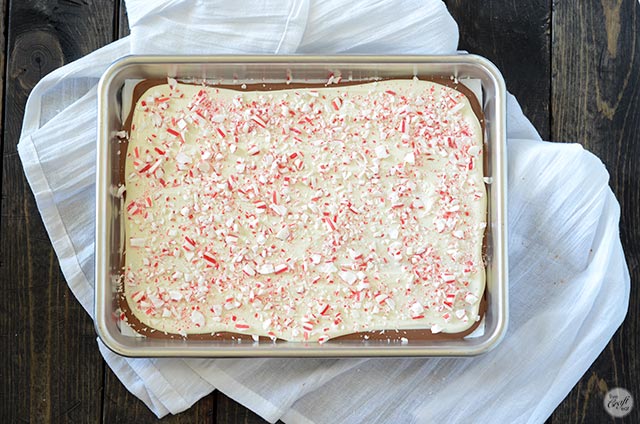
pixel 574 65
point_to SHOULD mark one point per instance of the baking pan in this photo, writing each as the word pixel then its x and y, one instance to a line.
pixel 240 69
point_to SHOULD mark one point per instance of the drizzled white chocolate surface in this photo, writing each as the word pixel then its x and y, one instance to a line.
pixel 304 214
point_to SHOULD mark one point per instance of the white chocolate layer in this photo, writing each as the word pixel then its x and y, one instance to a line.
pixel 304 214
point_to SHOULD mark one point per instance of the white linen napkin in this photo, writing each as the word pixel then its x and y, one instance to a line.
pixel 569 281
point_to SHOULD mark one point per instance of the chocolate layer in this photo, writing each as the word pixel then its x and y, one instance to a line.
pixel 382 335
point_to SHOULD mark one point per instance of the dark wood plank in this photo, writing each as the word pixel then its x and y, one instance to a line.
pixel 123 21
pixel 3 53
pixel 514 35
pixel 51 368
pixel 120 406
pixel 596 101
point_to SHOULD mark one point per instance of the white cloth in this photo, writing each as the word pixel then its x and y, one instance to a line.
pixel 569 281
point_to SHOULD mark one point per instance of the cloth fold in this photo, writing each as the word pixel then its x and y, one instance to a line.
pixel 569 282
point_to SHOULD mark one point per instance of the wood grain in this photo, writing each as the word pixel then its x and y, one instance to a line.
pixel 3 49
pixel 596 102
pixel 50 365
pixel 516 37
pixel 123 20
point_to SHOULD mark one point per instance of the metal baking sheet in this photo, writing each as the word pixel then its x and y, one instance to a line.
pixel 239 69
